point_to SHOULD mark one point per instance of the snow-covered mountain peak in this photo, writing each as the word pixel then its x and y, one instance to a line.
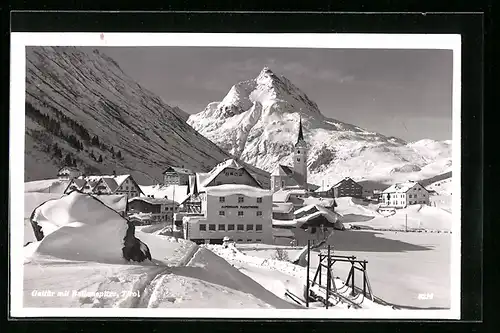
pixel 258 121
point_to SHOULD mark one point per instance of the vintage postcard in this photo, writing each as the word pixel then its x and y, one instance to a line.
pixel 267 175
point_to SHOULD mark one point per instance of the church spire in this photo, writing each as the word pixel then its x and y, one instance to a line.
pixel 195 189
pixel 300 137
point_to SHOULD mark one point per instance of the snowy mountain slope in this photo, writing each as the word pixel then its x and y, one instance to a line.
pixel 85 94
pixel 258 121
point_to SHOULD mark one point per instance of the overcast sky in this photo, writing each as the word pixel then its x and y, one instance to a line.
pixel 402 93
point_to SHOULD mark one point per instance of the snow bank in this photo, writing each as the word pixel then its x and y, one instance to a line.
pixel 47 186
pixel 80 227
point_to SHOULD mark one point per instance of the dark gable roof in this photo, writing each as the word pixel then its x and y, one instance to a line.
pixel 111 183
pixel 178 170
pixel 346 180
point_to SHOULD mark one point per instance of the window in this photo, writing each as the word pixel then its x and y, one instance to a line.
pixel 259 213
pixel 258 227
pixel 240 213
pixel 419 188
pixel 211 227
pixel 282 183
pixel 241 199
pixel 259 200
pixel 298 159
pixel 249 240
pixel 409 196
pixel 222 227
pixel 249 227
pixel 258 240
pixel 203 227
pixel 222 199
pixel 240 240
pixel 230 227
pixel 222 213
pixel 241 227
pixel 218 183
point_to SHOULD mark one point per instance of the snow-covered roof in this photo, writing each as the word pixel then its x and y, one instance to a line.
pixel 231 189
pixel 282 207
pixel 173 192
pixel 326 202
pixel 140 216
pixel 317 209
pixel 282 195
pixel 401 187
pixel 205 179
pixel 112 181
pixel 153 201
pixel 284 223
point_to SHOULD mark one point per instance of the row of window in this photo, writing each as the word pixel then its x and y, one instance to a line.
pixel 240 199
pixel 415 195
pixel 234 173
pixel 240 213
pixel 230 227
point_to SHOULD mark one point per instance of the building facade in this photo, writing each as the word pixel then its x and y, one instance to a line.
pixel 161 210
pixel 68 173
pixel 176 176
pixel 244 217
pixel 232 203
pixel 115 184
pixel 401 195
pixel 344 188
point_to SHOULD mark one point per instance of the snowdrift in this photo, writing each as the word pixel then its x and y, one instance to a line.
pixel 415 217
pixel 355 210
pixel 82 228
pixel 47 186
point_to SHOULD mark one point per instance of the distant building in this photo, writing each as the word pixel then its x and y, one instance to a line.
pixel 161 210
pixel 176 176
pixel 344 188
pixel 68 173
pixel 116 184
pixel 401 195
pixel 227 202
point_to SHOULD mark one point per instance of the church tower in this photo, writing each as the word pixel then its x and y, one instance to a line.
pixel 300 157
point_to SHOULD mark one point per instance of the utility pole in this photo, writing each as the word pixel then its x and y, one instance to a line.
pixel 406 222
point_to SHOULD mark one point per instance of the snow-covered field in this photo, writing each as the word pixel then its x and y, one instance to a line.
pixel 78 263
pixel 400 265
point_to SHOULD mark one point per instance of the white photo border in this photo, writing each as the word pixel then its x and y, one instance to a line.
pixel 19 42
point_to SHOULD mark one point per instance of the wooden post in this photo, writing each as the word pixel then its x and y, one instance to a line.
pixel 328 278
pixel 406 222
pixel 307 273
pixel 320 267
pixel 364 279
pixel 353 273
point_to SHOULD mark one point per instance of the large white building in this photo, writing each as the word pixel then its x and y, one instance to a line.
pixel 228 202
pixel 401 195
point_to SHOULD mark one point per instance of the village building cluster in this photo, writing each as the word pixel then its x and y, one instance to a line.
pixel 230 203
